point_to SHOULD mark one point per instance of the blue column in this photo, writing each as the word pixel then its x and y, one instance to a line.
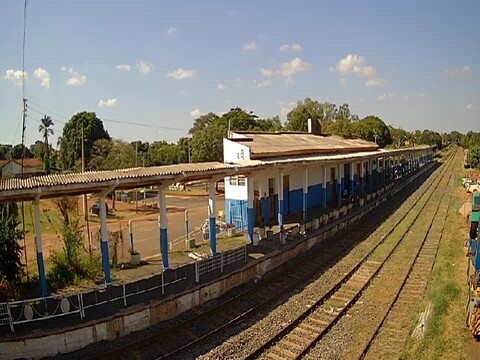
pixel 305 195
pixel 162 224
pixel 324 188
pixel 130 233
pixel 104 236
pixel 211 218
pixel 38 245
pixel 377 175
pixel 352 185
pixel 370 176
pixel 280 199
pixel 339 191
pixel 250 211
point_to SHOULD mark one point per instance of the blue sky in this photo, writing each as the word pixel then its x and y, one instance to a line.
pixel 415 64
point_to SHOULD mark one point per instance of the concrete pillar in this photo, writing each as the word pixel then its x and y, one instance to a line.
pixel 339 173
pixel 384 167
pixel 324 187
pixel 280 199
pixel 250 213
pixel 351 180
pixel 211 217
pixel 104 236
pixel 362 178
pixel 305 195
pixel 370 175
pixel 162 224
pixel 377 174
pixel 38 245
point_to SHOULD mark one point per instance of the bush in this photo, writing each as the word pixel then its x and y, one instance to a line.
pixel 64 272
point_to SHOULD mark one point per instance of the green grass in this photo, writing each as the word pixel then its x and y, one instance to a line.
pixel 445 335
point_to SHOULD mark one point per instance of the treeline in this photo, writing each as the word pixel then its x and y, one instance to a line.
pixel 205 142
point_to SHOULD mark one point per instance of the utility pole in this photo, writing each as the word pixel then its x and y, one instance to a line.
pixel 136 164
pixel 85 206
pixel 24 127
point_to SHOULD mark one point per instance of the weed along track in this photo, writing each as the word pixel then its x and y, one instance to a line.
pixel 390 334
pixel 315 291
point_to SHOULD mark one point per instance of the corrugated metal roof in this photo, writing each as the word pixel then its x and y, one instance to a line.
pixel 15 189
pixel 264 145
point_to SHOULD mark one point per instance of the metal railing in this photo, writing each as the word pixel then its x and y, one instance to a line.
pixel 219 261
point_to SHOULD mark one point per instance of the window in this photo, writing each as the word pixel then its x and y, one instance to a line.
pixel 237 180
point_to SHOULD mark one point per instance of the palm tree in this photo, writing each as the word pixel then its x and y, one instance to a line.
pixel 45 129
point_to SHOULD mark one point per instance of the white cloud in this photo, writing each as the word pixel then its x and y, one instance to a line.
pixel 108 102
pixel 287 47
pixel 465 70
pixel 422 95
pixel 251 46
pixel 16 76
pixel 382 97
pixel 375 82
pixel 171 30
pixel 263 84
pixel 289 69
pixel 123 67
pixel 195 114
pixel 472 107
pixel 144 67
pixel 267 72
pixel 355 65
pixel 43 75
pixel 181 74
pixel 221 87
pixel 343 81
pixel 75 78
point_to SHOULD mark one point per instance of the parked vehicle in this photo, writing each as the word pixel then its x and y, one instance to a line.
pixel 95 209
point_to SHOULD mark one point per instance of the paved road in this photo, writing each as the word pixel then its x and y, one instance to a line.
pixel 146 232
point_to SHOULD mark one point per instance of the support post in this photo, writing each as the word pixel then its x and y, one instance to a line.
pixel 362 178
pixel 38 245
pixel 377 174
pixel 186 225
pixel 280 199
pixel 351 179
pixel 162 224
pixel 324 188
pixel 211 217
pixel 104 236
pixel 130 232
pixel 339 184
pixel 370 176
pixel 250 213
pixel 305 195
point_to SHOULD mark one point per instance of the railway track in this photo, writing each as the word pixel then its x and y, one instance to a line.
pixel 300 335
pixel 391 332
pixel 202 328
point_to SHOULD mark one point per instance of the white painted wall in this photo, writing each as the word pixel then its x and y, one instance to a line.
pixel 233 151
pixel 235 192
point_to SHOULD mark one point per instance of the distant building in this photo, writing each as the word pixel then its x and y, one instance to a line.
pixel 13 168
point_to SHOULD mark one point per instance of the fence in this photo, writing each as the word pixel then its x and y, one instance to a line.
pixel 110 299
pixel 26 311
pixel 219 261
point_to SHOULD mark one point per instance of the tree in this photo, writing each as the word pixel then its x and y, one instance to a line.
pixel 112 154
pixel 398 136
pixel 16 152
pixel 10 250
pixel 71 140
pixel 4 151
pixel 38 150
pixel 297 118
pixel 474 156
pixel 373 129
pixel 45 129
pixel 431 138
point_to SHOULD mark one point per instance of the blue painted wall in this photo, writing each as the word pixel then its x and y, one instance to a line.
pixel 286 195
pixel 296 201
pixel 314 196
pixel 236 213
pixel 328 192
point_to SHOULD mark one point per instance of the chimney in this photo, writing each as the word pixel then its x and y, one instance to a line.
pixel 314 127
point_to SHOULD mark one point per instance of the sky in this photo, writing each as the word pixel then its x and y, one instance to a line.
pixel 149 68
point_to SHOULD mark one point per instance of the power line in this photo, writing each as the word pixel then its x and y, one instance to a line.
pixel 144 125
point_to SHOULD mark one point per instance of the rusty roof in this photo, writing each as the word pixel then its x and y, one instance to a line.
pixel 267 145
